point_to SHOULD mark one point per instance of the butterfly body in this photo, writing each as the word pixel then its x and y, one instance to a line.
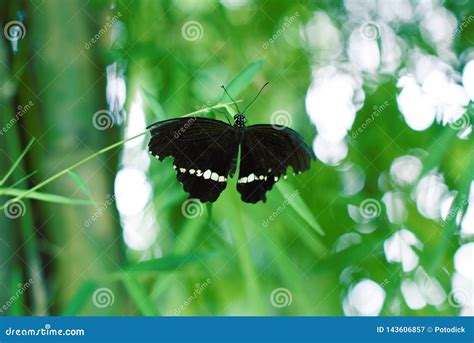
pixel 205 153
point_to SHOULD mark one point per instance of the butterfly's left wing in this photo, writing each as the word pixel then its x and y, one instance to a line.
pixel 204 152
pixel 266 153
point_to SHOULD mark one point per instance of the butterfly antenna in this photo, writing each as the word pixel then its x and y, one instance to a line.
pixel 225 90
pixel 260 91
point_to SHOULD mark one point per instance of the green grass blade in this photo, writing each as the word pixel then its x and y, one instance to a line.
pixel 17 306
pixel 207 109
pixel 80 183
pixel 24 178
pixel 17 162
pixel 47 197
pixel 209 210
pixel 243 79
pixel 139 296
pixel 298 205
pixel 82 297
pixel 168 263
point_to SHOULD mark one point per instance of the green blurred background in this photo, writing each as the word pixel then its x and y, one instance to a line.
pixel 381 225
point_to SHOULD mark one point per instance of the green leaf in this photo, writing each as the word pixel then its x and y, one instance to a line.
pixel 243 79
pixel 299 206
pixel 17 162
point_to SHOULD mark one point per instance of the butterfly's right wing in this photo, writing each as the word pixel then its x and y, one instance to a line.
pixel 266 153
pixel 204 152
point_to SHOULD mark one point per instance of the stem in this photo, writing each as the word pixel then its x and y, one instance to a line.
pixel 94 155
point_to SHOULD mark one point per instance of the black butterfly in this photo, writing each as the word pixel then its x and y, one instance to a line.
pixel 205 153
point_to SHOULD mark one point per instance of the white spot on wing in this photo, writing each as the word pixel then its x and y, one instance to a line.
pixel 207 174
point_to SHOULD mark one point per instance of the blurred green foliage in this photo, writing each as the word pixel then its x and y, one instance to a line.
pixel 245 256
